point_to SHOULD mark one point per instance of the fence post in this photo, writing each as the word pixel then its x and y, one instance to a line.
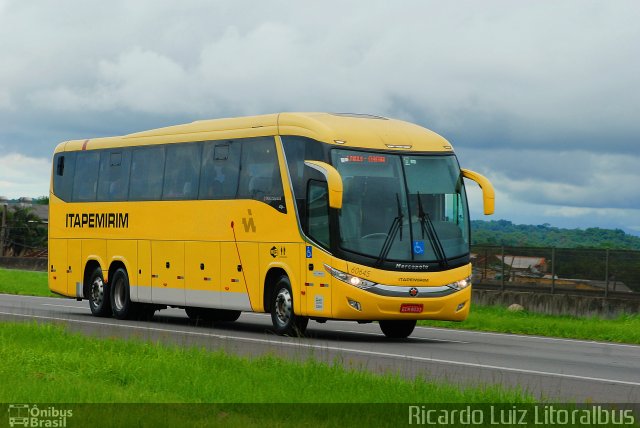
pixel 553 270
pixel 606 274
pixel 502 268
pixel 484 271
pixel 3 228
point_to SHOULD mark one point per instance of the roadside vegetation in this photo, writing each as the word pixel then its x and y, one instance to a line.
pixel 43 363
pixel 25 231
pixel 24 282
pixel 504 232
pixel 623 329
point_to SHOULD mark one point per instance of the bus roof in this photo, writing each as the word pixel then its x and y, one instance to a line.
pixel 345 129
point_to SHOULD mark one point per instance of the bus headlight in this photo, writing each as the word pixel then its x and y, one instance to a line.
pixel 460 285
pixel 349 279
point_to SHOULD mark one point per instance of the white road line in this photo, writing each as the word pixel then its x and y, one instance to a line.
pixel 63 306
pixel 30 297
pixel 413 339
pixel 337 349
pixel 526 336
pixel 490 333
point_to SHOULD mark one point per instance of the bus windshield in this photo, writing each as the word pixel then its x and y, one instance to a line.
pixel 402 207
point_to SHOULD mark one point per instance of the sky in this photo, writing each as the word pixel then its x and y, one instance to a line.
pixel 542 97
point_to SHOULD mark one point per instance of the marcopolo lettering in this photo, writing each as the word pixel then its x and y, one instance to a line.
pixel 411 267
pixel 97 220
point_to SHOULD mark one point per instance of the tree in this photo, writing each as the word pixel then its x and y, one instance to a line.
pixel 42 200
pixel 24 231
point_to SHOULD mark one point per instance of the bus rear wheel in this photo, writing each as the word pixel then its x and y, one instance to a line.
pixel 121 304
pixel 397 329
pixel 99 299
pixel 285 321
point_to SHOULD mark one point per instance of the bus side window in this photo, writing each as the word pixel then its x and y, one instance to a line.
pixel 65 164
pixel 85 182
pixel 113 184
pixel 60 165
pixel 260 173
pixel 147 171
pixel 297 150
pixel 182 172
pixel 220 170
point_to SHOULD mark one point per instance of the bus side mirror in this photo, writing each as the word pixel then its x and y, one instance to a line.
pixel 488 194
pixel 334 181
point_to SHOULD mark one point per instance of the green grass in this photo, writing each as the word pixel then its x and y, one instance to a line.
pixel 47 364
pixel 623 329
pixel 24 282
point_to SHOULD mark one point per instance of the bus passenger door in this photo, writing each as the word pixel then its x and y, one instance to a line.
pixel 167 273
pixel 318 283
pixel 202 274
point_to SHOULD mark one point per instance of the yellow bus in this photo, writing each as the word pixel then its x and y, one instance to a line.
pixel 306 216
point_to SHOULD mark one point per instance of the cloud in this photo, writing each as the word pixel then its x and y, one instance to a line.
pixel 541 99
pixel 526 212
pixel 563 178
pixel 5 100
pixel 494 75
pixel 24 176
pixel 138 80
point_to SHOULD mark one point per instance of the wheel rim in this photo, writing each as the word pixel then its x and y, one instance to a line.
pixel 97 292
pixel 119 293
pixel 283 307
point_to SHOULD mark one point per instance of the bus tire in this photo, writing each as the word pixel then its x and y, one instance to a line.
pixel 121 304
pixel 285 321
pixel 199 315
pixel 397 329
pixel 225 315
pixel 99 295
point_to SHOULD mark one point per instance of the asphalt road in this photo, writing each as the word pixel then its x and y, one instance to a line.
pixel 571 370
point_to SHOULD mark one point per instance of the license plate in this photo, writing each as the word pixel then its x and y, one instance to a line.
pixel 411 308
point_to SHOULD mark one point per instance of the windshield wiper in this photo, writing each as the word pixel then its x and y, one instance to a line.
pixel 396 226
pixel 427 226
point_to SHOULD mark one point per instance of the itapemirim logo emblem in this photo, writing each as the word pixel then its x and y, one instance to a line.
pixel 30 415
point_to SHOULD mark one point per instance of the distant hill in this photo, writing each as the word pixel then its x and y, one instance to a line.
pixel 504 232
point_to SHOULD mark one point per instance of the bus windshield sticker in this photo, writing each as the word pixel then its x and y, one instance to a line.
pixel 364 159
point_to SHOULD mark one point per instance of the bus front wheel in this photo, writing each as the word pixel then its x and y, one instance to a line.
pixel 285 321
pixel 99 300
pixel 397 329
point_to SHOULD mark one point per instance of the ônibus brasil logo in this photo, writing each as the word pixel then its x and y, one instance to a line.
pixel 27 415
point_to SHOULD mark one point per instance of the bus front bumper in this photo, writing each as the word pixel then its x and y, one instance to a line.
pixel 352 303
